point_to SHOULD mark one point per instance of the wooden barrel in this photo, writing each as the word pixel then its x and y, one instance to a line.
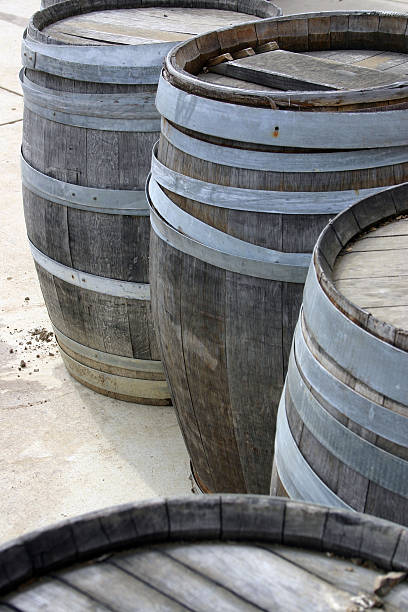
pixel 90 123
pixel 243 180
pixel 342 436
pixel 220 552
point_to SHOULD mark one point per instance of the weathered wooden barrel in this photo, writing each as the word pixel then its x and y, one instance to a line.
pixel 213 552
pixel 244 178
pixel 342 435
pixel 91 72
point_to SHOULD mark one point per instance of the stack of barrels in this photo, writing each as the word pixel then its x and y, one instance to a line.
pixel 269 129
pixel 253 161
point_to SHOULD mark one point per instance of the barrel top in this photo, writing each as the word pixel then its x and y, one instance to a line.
pixel 372 271
pixel 361 263
pixel 311 60
pixel 226 552
pixel 141 25
pixel 72 23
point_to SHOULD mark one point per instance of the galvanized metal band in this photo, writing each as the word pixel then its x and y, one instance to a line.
pixel 376 363
pixel 375 464
pixel 133 112
pixel 298 478
pixel 370 415
pixel 311 130
pixel 109 201
pixel 109 359
pixel 124 387
pixel 91 282
pixel 257 200
pixel 283 162
pixel 123 64
pixel 208 244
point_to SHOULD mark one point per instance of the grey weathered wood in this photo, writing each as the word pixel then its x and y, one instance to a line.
pixel 357 247
pixel 285 70
pixel 193 590
pixel 125 590
pixel 259 576
pixel 226 337
pixel 107 245
pixel 252 570
pixel 307 33
pixel 54 594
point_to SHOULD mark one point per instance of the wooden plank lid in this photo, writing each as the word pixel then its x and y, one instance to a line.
pixel 348 60
pixel 135 23
pixel 361 263
pixel 229 552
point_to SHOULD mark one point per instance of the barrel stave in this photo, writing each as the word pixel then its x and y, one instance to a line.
pixel 166 299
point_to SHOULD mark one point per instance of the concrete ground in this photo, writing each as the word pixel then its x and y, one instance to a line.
pixel 65 450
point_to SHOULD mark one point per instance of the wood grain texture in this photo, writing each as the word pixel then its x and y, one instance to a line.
pixel 360 264
pixel 236 331
pixel 256 568
pixel 109 246
pixel 373 273
pixel 320 35
pixel 285 70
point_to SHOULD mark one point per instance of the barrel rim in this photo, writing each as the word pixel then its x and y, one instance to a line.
pixel 177 74
pixel 346 226
pixel 249 518
pixel 69 8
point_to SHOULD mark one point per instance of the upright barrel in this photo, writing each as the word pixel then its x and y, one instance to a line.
pixel 342 436
pixel 89 80
pixel 224 552
pixel 244 178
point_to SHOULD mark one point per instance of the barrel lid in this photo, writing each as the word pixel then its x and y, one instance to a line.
pixel 244 547
pixel 361 264
pixel 135 22
pixel 306 60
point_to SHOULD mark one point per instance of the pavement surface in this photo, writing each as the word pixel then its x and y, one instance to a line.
pixel 64 449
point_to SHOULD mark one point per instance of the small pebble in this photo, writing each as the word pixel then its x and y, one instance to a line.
pixel 36 370
pixel 11 350
pixel 51 354
pixel 23 363
pixel 27 299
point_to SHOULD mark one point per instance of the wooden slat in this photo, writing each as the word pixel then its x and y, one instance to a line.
pixel 396 315
pixel 372 264
pixel 52 595
pixel 287 70
pixel 117 589
pixel 340 572
pixel 220 79
pixel 171 577
pixel 368 294
pixel 272 588
pixel 380 243
pixel 142 25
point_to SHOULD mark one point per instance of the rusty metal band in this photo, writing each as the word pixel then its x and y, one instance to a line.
pixel 324 130
pixel 296 475
pixel 249 159
pixel 376 363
